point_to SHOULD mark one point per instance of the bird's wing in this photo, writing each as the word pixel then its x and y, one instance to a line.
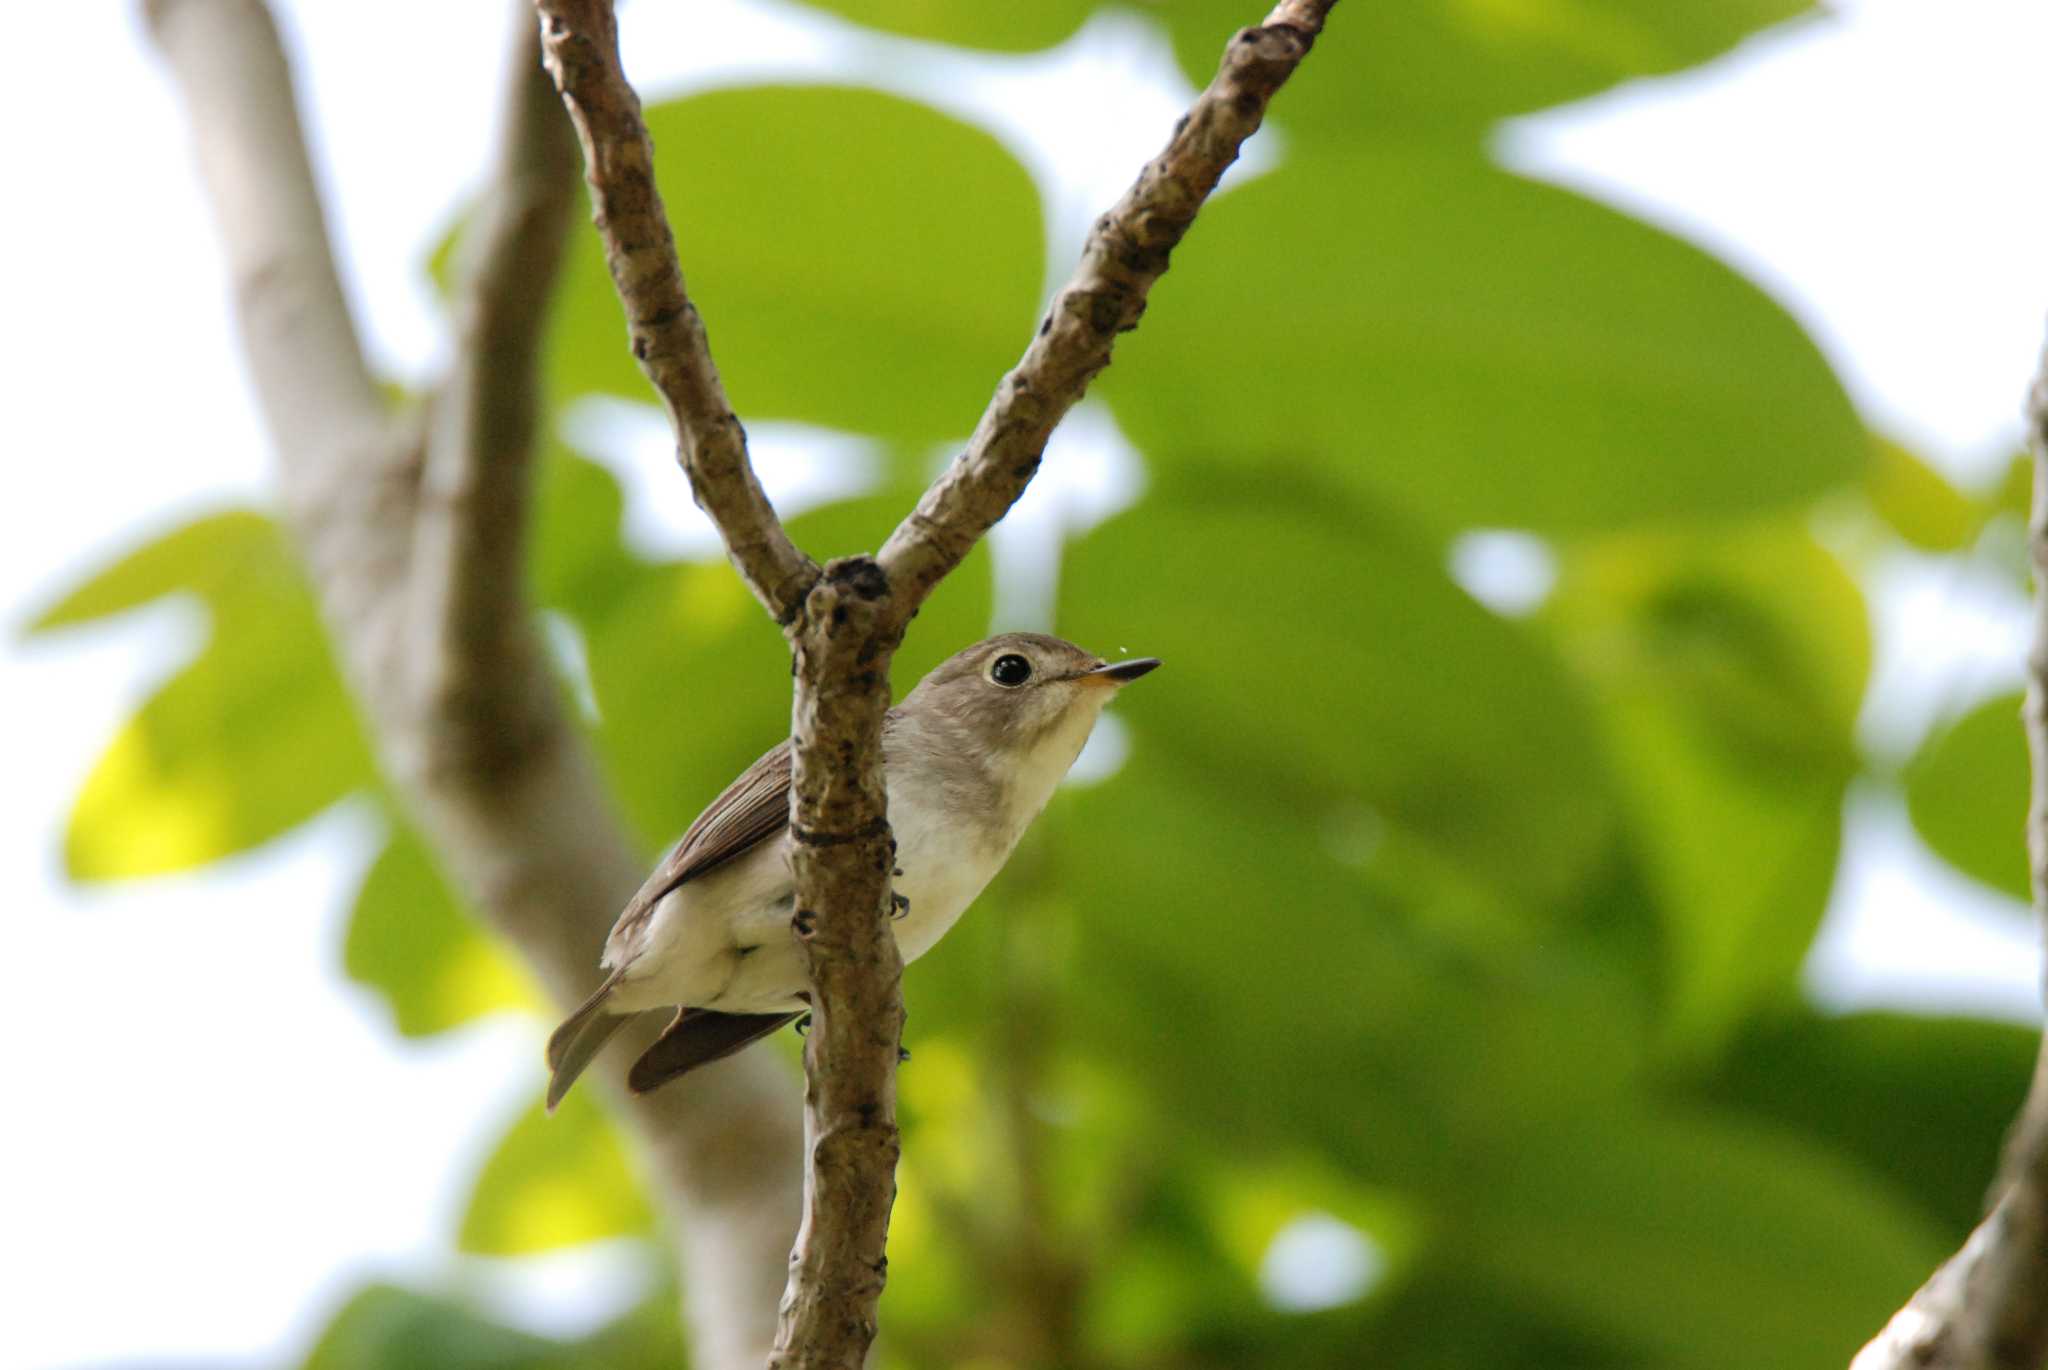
pixel 752 809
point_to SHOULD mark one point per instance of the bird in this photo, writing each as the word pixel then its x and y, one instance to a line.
pixel 970 758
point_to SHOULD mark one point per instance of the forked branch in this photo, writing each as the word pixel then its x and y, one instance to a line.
pixel 845 622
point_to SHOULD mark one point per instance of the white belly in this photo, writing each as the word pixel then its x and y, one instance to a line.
pixel 724 941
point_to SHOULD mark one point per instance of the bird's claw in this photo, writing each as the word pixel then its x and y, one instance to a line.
pixel 899 905
pixel 805 921
pixel 803 1026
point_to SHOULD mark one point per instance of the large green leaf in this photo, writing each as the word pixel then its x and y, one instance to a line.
pixel 862 262
pixel 1480 349
pixel 1322 655
pixel 1698 1238
pixel 252 738
pixel 555 1182
pixel 968 23
pixel 411 941
pixel 1967 793
pixel 1731 668
pixel 1451 67
pixel 1922 1102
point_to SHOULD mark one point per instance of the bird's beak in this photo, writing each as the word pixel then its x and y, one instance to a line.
pixel 1121 672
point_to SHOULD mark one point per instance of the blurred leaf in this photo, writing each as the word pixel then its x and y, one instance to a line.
pixel 555 1182
pixel 1247 942
pixel 1451 67
pixel 1323 656
pixel 1918 503
pixel 1732 667
pixel 1922 1102
pixel 387 1328
pixel 968 23
pixel 411 941
pixel 2015 493
pixel 1446 1316
pixel 1486 351
pixel 1967 793
pixel 209 555
pixel 579 557
pixel 834 290
pixel 384 1327
pixel 251 739
pixel 1685 1234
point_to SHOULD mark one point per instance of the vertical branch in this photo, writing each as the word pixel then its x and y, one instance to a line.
pixel 1986 1308
pixel 415 543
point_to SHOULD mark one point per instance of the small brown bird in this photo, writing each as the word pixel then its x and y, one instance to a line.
pixel 970 758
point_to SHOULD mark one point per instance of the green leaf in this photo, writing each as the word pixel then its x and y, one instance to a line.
pixel 836 289
pixel 968 23
pixel 1214 931
pixel 206 556
pixel 1485 351
pixel 1449 68
pixel 383 1327
pixel 1967 793
pixel 1918 503
pixel 1921 1103
pixel 555 1182
pixel 1322 654
pixel 412 942
pixel 1668 1230
pixel 1731 667
pixel 387 1328
pixel 253 738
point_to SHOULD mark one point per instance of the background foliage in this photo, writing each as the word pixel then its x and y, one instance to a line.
pixel 1478 934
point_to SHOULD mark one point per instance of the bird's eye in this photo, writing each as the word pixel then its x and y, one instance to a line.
pixel 1011 670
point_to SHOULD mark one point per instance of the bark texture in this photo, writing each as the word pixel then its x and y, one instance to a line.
pixel 413 529
pixel 845 622
pixel 1986 1308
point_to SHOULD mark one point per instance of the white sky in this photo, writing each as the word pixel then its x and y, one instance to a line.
pixel 214 1126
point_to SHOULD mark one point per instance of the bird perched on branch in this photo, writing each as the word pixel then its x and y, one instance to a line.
pixel 970 757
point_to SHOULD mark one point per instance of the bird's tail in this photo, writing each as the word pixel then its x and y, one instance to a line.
pixel 574 1044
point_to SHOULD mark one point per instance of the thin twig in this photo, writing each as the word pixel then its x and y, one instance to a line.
pixel 845 622
pixel 1986 1308
pixel 1125 253
pixel 581 38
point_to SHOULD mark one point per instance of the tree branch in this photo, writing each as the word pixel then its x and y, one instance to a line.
pixel 1986 1308
pixel 1125 253
pixel 469 541
pixel 666 333
pixel 415 556
pixel 844 624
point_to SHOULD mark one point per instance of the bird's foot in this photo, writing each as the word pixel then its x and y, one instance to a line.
pixel 805 922
pixel 899 905
pixel 803 1026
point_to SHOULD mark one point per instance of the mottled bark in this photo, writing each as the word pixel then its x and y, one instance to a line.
pixel 414 532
